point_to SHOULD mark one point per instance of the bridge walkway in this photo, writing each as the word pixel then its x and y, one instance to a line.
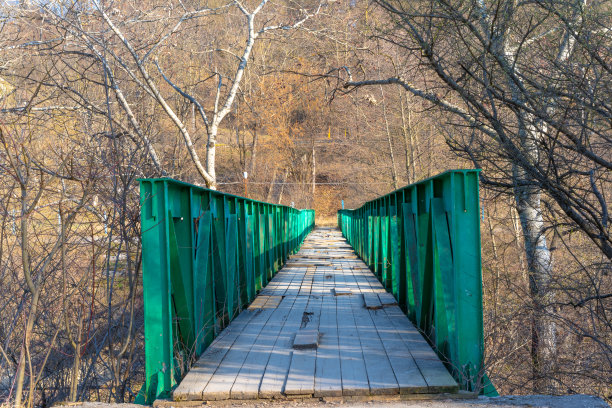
pixel 323 327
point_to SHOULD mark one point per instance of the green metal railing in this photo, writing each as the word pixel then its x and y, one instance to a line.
pixel 423 244
pixel 205 255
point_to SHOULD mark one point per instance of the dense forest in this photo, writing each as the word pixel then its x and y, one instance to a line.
pixel 317 102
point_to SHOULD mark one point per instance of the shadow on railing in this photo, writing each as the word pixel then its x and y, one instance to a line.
pixel 423 243
pixel 205 255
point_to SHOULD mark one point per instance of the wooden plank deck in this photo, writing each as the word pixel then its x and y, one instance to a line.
pixel 366 345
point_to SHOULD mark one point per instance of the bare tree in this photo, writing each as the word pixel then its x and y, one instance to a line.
pixel 525 98
pixel 34 182
pixel 223 99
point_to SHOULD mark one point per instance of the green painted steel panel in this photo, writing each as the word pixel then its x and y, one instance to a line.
pixel 219 262
pixel 205 256
pixel 231 272
pixel 242 242
pixel 384 246
pixel 423 243
pixel 271 247
pixel 444 281
pixel 376 245
pixel 156 287
pixel 203 289
pixel 249 264
pixel 181 288
pixel 394 258
pixel 413 282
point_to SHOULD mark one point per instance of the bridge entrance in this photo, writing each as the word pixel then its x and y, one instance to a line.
pixel 324 326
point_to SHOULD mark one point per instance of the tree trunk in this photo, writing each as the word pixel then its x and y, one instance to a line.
pixel 496 266
pixel 429 150
pixel 34 290
pixel 539 269
pixel 408 140
pixel 211 151
pixel 253 151
pixel 282 188
pixel 527 193
pixel 314 172
pixel 76 366
pixel 24 347
pixel 272 185
pixel 389 140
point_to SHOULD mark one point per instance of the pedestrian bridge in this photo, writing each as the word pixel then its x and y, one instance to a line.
pixel 244 300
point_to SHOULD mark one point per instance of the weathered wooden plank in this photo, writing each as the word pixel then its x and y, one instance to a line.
pixel 246 385
pixel 433 370
pixel 292 285
pixel 300 380
pixel 329 281
pixel 352 365
pixel 348 278
pixel 380 373
pixel 318 282
pixel 387 299
pixel 329 256
pixel 197 378
pixel 280 283
pixel 259 302
pixel 307 282
pixel 276 371
pixel 360 276
pixel 342 291
pixel 328 377
pixel 273 302
pixel 298 263
pixel 371 301
pixel 306 339
pixel 219 386
pixel 407 373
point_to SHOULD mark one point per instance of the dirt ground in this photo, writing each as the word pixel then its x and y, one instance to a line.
pixel 510 401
